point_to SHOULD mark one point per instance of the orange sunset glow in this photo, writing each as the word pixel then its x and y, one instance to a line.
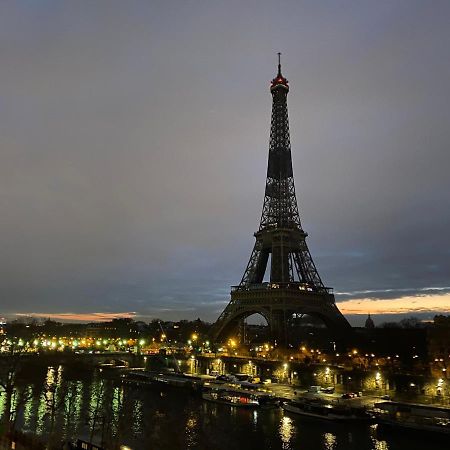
pixel 81 317
pixel 438 303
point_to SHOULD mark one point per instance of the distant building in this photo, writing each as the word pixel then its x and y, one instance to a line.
pixel 438 340
pixel 369 322
pixel 117 328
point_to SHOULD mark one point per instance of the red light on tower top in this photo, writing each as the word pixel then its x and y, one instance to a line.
pixel 279 80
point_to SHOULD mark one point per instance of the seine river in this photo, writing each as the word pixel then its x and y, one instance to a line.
pixel 67 403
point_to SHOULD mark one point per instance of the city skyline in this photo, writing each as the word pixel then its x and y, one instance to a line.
pixel 133 167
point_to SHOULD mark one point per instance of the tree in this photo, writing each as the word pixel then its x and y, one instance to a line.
pixel 410 322
pixel 10 365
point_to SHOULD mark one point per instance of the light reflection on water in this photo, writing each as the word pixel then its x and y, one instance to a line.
pixel 381 445
pixel 143 418
pixel 137 417
pixel 40 413
pixel 286 430
pixel 377 444
pixel 329 440
pixel 191 431
pixel 2 405
pixel 255 418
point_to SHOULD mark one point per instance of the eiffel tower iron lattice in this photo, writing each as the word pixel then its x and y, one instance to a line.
pixel 295 286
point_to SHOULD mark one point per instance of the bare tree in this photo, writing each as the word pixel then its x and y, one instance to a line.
pixel 11 363
pixel 71 394
pixel 95 418
pixel 112 408
pixel 60 398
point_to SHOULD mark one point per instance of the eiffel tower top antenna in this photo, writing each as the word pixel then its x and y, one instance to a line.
pixel 279 64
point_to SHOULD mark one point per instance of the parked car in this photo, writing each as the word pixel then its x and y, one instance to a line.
pixel 349 395
pixel 314 389
pixel 222 378
pixel 327 390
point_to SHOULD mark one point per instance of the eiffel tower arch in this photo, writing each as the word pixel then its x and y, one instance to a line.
pixel 295 286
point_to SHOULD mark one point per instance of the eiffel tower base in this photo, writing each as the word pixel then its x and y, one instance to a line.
pixel 277 306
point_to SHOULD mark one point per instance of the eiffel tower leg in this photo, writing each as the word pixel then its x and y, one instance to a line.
pixel 278 327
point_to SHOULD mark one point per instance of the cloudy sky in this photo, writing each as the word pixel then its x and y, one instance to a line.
pixel 134 139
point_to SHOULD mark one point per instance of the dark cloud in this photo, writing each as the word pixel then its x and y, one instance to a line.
pixel 134 136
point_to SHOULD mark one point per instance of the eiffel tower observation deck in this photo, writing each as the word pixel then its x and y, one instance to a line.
pixel 295 286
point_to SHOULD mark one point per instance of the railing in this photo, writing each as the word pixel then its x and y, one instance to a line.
pixel 305 287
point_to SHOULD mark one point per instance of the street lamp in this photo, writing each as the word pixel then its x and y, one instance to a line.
pixel 285 370
pixel 378 380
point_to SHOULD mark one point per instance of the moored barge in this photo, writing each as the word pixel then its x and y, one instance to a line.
pixel 413 417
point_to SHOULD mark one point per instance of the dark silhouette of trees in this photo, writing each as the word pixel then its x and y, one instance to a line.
pixel 11 363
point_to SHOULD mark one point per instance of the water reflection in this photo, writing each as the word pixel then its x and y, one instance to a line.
pixel 191 431
pixel 2 405
pixel 64 404
pixel 381 445
pixel 329 441
pixel 286 430
pixel 137 417
pixel 40 410
pixel 255 418
pixel 377 443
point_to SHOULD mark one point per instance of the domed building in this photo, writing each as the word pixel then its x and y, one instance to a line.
pixel 369 322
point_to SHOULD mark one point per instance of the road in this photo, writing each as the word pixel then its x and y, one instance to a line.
pixel 289 392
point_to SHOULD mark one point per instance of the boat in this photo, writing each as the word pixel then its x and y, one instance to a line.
pixel 178 380
pixel 138 378
pixel 413 417
pixel 235 395
pixel 319 409
pixel 162 380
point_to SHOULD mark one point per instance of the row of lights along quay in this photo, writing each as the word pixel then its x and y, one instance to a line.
pixel 407 363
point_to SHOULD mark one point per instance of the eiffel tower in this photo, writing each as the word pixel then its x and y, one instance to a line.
pixel 295 286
